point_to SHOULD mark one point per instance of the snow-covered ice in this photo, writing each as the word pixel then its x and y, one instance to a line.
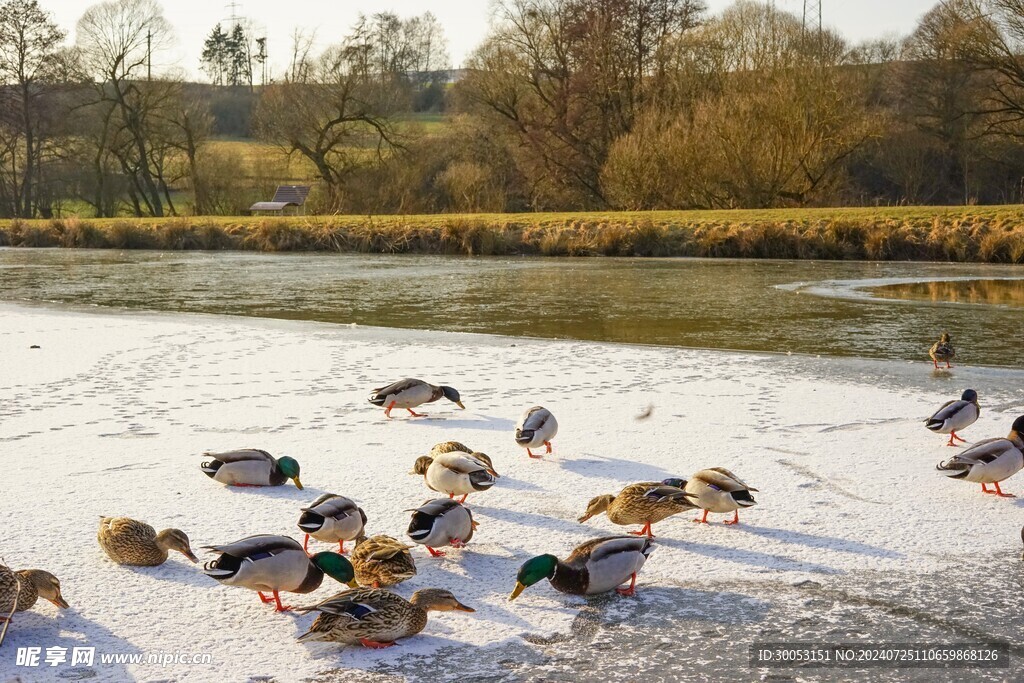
pixel 112 414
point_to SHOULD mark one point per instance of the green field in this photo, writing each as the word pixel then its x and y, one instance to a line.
pixel 992 234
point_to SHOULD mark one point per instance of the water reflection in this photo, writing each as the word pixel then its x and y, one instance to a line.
pixel 997 292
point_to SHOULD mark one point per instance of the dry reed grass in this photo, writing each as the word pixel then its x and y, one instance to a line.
pixel 944 235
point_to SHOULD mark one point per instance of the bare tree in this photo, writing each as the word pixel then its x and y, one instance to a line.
pixel 29 44
pixel 117 40
pixel 568 77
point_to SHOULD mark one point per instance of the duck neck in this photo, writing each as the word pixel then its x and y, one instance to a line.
pixel 570 579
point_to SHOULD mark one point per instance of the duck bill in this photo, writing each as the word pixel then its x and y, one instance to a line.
pixel 463 608
pixel 517 590
pixel 584 518
pixel 190 555
pixel 59 601
pixel 459 404
pixel 353 584
pixel 298 484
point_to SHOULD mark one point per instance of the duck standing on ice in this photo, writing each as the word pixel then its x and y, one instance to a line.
pixel 954 416
pixel 990 461
pixel 409 393
pixel 646 503
pixel 717 490
pixel 942 351
pixel 536 428
pixel 597 566
pixel 251 467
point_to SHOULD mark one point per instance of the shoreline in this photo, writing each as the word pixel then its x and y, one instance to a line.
pixel 934 234
pixel 119 407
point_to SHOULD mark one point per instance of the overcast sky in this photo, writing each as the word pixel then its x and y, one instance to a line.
pixel 465 21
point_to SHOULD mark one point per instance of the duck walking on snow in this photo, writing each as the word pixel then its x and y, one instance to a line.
pixel 268 563
pixel 954 416
pixel 942 351
pixel 536 428
pixel 131 542
pixel 644 503
pixel 376 618
pixel 439 523
pixel 251 467
pixel 597 566
pixel 456 473
pixel 409 393
pixel 717 490
pixel 332 519
pixel 990 461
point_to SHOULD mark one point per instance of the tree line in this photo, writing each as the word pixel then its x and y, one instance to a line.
pixel 565 105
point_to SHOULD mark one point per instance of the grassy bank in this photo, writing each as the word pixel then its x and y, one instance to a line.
pixel 978 234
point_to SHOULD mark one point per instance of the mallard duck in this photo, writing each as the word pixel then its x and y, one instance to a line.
pixel 251 467
pixel 332 519
pixel 717 490
pixel 456 473
pixel 536 428
pixel 990 461
pixel 942 351
pixel 382 561
pixel 409 393
pixel 376 618
pixel 439 523
pixel 597 566
pixel 643 503
pixel 19 590
pixel 273 564
pixel 131 542
pixel 456 447
pixel 954 416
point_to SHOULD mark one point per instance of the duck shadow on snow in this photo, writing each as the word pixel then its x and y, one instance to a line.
pixel 536 521
pixel 68 629
pixel 485 422
pixel 749 557
pixel 612 468
pixel 175 571
pixel 823 542
pixel 284 492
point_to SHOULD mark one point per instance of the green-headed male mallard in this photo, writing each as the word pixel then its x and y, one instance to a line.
pixel 990 461
pixel 131 542
pixel 381 561
pixel 409 393
pixel 597 566
pixel 456 473
pixel 332 519
pixel 251 467
pixel 942 351
pixel 376 618
pixel 954 416
pixel 646 503
pixel 273 564
pixel 439 523
pixel 536 428
pixel 19 590
pixel 717 490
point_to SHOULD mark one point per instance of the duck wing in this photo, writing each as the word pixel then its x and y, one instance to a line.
pixel 724 480
pixel 256 547
pixel 377 396
pixel 462 463
pixel 981 455
pixel 241 455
